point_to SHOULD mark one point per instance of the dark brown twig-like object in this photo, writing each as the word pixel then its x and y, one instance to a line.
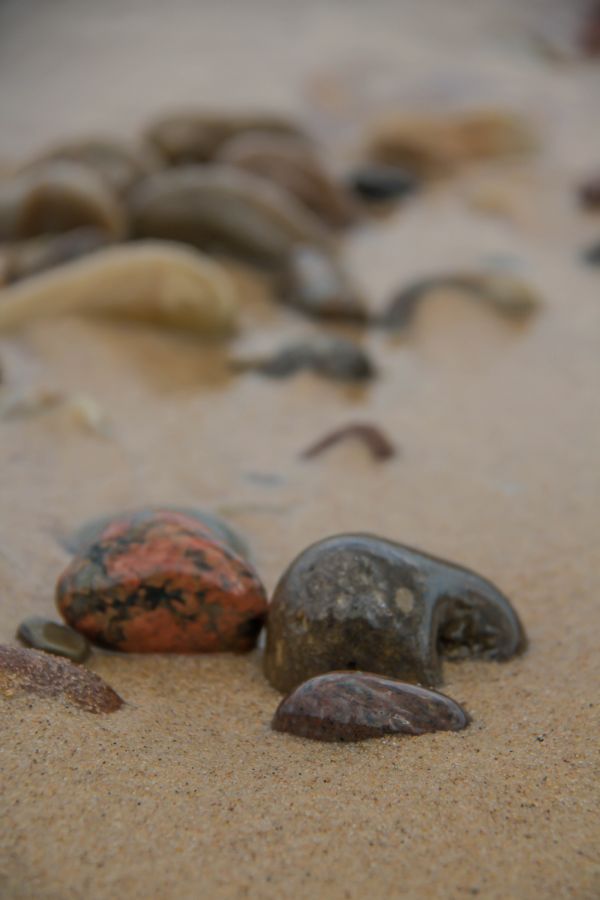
pixel 376 442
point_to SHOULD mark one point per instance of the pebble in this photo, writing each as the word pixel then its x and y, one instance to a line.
pixel 354 706
pixel 195 136
pixel 34 672
pixel 506 294
pixel 119 164
pixel 44 634
pixel 592 255
pixel 24 258
pixel 436 145
pixel 295 166
pixel 225 209
pixel 334 358
pixel 380 183
pixel 89 532
pixel 58 196
pixel 589 193
pixel 161 583
pixel 356 601
pixel 156 282
pixel 315 283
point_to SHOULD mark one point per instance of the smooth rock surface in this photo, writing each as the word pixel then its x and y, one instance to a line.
pixel 356 601
pixel 354 706
pixel 52 637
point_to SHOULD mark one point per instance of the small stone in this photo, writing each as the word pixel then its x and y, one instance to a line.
pixel 43 634
pixel 222 208
pixel 119 164
pixel 315 283
pixel 192 136
pixel 381 184
pixel 162 583
pixel 435 145
pixel 56 196
pixel 356 601
pixel 334 358
pixel 294 165
pixel 25 258
pixel 47 676
pixel 592 255
pixel 507 295
pixel 354 706
pixel 589 193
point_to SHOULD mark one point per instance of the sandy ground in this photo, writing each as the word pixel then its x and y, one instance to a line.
pixel 186 792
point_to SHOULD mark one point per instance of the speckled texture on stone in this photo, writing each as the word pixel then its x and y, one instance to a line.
pixel 355 706
pixel 47 676
pixel 357 601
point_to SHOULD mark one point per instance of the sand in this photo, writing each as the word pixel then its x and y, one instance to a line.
pixel 186 792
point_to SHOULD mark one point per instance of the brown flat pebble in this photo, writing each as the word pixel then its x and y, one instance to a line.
pixel 354 706
pixel 47 676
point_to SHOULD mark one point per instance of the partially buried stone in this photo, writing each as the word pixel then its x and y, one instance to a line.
pixel 296 167
pixel 592 255
pixel 508 296
pixel 223 208
pixel 162 583
pixel 196 135
pixel 43 634
pixel 380 183
pixel 356 601
pixel 315 283
pixel 24 258
pixel 334 358
pixel 47 676
pixel 354 706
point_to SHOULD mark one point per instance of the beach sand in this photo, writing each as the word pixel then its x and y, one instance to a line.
pixel 186 792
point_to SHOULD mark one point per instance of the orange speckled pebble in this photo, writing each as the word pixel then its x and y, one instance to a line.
pixel 162 582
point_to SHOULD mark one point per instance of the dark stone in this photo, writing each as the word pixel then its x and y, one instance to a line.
pixel 592 255
pixel 162 583
pixel 47 676
pixel 354 706
pixel 589 194
pixel 43 634
pixel 334 358
pixel 505 294
pixel 380 184
pixel 356 601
